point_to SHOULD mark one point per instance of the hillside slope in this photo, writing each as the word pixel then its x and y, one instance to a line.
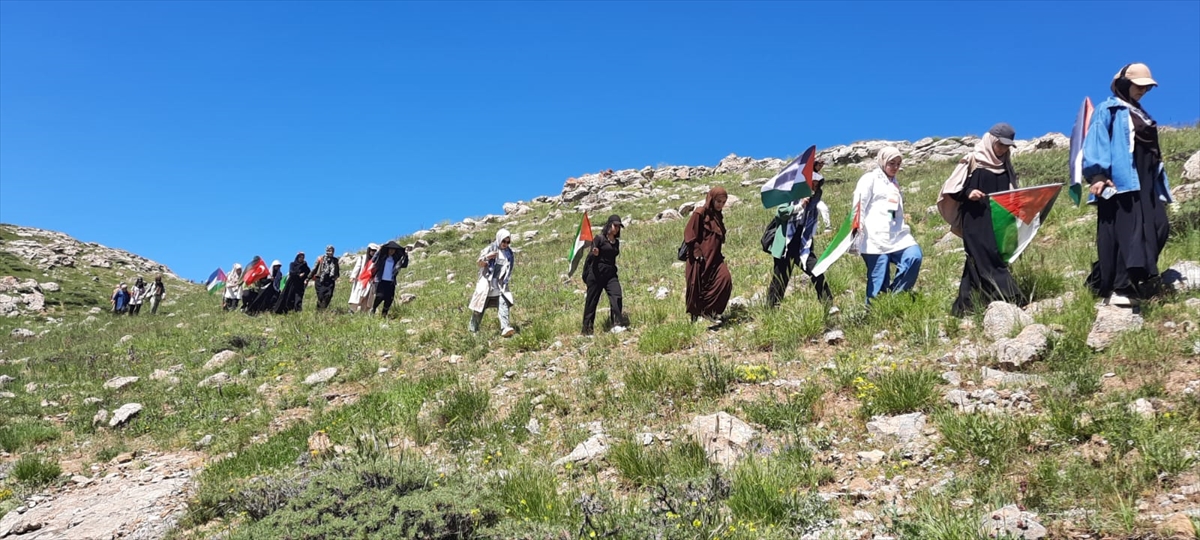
pixel 898 422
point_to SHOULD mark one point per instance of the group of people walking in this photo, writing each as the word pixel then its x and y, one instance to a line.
pixel 127 301
pixel 1122 162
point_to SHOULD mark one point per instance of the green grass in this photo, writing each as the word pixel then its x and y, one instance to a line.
pixel 419 379
pixel 35 471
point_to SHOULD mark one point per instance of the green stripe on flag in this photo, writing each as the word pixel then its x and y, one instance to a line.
pixel 837 247
pixel 1005 226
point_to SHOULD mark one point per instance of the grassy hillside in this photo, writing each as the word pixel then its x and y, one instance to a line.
pixel 456 433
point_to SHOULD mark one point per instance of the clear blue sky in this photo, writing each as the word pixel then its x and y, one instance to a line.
pixel 203 133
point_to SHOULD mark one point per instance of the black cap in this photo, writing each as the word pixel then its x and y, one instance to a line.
pixel 1003 133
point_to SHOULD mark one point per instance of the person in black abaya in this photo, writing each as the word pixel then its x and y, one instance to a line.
pixel 268 294
pixel 291 298
pixel 1123 163
pixel 986 276
pixel 325 277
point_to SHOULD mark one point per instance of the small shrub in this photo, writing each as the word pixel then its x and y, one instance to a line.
pixel 935 518
pixel 688 459
pixel 535 337
pixel 752 373
pixel 462 414
pixel 1165 449
pixel 23 435
pixel 715 375
pixel 989 438
pixel 763 492
pixel 35 472
pixel 899 391
pixel 532 493
pixel 847 368
pixel 638 464
pixel 660 377
pixel 796 409
pixel 666 338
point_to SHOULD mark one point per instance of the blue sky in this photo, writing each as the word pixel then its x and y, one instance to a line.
pixel 203 133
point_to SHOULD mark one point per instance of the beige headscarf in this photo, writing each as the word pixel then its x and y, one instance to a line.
pixel 887 154
pixel 986 158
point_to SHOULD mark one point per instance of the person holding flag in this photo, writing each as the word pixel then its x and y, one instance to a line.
pixel 1123 163
pixel 883 237
pixel 600 275
pixel 269 288
pixel 793 245
pixel 986 276
pixel 362 292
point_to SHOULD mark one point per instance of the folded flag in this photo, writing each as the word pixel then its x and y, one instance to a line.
pixel 364 277
pixel 1017 214
pixel 1083 121
pixel 215 282
pixel 583 244
pixel 256 270
pixel 840 244
pixel 793 183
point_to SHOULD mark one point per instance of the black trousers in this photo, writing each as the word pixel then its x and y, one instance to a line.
pixel 612 286
pixel 385 292
pixel 781 274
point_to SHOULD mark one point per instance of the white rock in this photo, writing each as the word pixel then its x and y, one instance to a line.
pixel 871 457
pixel 904 428
pixel 321 376
pixel 117 383
pixel 124 413
pixel 219 360
pixel 1011 522
pixel 1002 318
pixel 595 447
pixel 725 437
pixel 216 379
pixel 1112 321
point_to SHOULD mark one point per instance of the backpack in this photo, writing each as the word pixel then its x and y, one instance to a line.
pixel 683 252
pixel 768 237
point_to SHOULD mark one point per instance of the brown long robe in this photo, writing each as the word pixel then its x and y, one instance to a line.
pixel 709 284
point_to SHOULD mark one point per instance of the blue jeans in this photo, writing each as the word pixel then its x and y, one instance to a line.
pixel 908 264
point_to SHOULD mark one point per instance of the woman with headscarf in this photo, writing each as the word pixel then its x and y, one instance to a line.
pixel 600 275
pixel 384 269
pixel 1123 163
pixel 491 289
pixel 324 277
pixel 137 294
pixel 291 298
pixel 709 284
pixel 269 290
pixel 362 290
pixel 233 288
pixel 985 275
pixel 883 238
pixel 120 299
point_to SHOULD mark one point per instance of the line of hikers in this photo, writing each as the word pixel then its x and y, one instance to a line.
pixel 1121 161
pixel 126 301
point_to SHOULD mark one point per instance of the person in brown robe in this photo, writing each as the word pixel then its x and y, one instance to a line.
pixel 709 283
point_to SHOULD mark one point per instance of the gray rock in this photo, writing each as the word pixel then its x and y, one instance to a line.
pixel 670 214
pixel 1142 407
pixel 529 235
pixel 871 457
pixel 1011 522
pixel 1191 168
pixel 533 426
pixel 216 379
pixel 993 377
pixel 595 447
pixel 1182 276
pixel 219 360
pixel 1026 347
pixel 833 337
pixel 725 437
pixel 124 413
pixel 952 378
pixel 1002 319
pixel 406 298
pixel 904 428
pixel 124 339
pixel 321 376
pixel 22 333
pixel 5 379
pixel 100 418
pixel 1112 321
pixel 117 383
pixel 1050 305
pixel 7 395
pixel 204 441
pixel 661 293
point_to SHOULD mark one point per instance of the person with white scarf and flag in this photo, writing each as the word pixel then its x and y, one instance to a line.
pixel 492 289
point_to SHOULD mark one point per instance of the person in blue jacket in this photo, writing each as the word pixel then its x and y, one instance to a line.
pixel 1123 163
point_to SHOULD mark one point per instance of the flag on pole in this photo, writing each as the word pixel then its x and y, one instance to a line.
pixel 583 244
pixel 1083 121
pixel 840 244
pixel 793 183
pixel 1017 214
pixel 255 270
pixel 215 282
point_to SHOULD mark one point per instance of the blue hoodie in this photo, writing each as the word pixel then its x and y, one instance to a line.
pixel 1108 151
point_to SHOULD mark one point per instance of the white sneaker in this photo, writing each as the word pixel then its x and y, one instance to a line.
pixel 508 332
pixel 833 310
pixel 1121 300
pixel 617 329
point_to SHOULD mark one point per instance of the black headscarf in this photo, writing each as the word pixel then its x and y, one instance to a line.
pixel 613 219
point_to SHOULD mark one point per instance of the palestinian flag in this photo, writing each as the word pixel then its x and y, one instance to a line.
pixel 1083 121
pixel 583 244
pixel 1017 214
pixel 793 183
pixel 255 270
pixel 215 282
pixel 840 244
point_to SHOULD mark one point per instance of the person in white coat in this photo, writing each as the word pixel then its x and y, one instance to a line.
pixel 883 238
pixel 495 272
pixel 233 288
pixel 362 293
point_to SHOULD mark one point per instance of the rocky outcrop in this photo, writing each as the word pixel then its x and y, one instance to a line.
pixel 48 250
